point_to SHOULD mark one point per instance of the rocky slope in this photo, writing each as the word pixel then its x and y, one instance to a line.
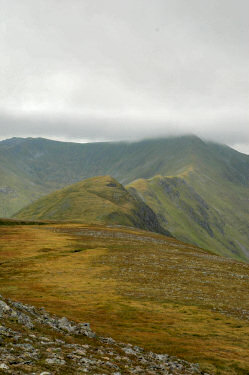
pixel 34 342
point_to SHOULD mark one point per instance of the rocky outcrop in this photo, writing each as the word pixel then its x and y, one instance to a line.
pixel 32 341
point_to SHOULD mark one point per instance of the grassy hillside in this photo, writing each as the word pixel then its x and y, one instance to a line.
pixel 31 168
pixel 192 218
pixel 94 200
pixel 16 190
pixel 43 165
pixel 136 287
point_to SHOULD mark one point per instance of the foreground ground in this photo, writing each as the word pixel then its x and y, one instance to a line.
pixel 134 286
pixel 34 342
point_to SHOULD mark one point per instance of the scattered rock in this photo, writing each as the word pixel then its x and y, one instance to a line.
pixel 41 339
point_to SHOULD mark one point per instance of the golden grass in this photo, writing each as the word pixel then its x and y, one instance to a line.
pixel 135 286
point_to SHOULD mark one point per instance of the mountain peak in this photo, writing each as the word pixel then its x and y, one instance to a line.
pixel 99 199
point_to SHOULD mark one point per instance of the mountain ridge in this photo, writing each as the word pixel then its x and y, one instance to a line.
pixel 94 200
pixel 32 168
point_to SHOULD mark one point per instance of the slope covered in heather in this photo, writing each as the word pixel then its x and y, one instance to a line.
pixel 132 285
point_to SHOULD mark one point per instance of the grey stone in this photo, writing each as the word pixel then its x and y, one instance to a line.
pixel 3 366
pixel 55 361
pixel 4 308
pixel 65 325
pixel 129 351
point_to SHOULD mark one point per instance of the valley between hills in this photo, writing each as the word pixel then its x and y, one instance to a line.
pixel 147 241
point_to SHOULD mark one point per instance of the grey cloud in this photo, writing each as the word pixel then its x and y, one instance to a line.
pixel 116 69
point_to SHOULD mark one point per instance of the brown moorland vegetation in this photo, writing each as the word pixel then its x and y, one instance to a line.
pixel 135 286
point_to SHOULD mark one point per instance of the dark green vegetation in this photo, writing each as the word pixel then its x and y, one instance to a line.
pixel 207 203
pixel 94 200
pixel 135 286
pixel 21 222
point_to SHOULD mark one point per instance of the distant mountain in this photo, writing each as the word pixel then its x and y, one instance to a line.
pixel 206 202
pixel 213 174
pixel 95 200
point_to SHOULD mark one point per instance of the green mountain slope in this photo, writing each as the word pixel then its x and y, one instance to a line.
pixel 191 218
pixel 95 200
pixel 30 168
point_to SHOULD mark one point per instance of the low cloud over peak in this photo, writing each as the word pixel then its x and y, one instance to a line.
pixel 125 70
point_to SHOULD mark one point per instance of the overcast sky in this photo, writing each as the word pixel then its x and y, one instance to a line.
pixel 125 69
